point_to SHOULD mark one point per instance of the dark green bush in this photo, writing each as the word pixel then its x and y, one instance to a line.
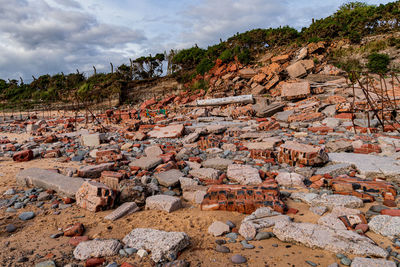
pixel 378 63
pixel 226 56
pixel 204 66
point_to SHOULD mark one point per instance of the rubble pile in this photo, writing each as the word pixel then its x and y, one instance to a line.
pixel 260 140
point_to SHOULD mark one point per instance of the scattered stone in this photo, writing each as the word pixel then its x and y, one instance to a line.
pixel 95 196
pixel 163 202
pixel 368 262
pixel 385 225
pixel 123 210
pixel 169 178
pixel 238 259
pixel 25 216
pixel 146 163
pixel 289 179
pixel 163 245
pixel 243 174
pixel 218 228
pixel 205 173
pixel 222 249
pixel 97 248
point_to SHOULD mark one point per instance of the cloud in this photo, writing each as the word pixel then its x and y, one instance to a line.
pixel 38 38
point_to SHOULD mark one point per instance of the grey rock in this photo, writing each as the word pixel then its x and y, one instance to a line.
pixel 328 200
pixel 146 163
pixel 345 261
pixel 163 245
pixel 238 259
pixel 46 264
pixel 11 228
pixel 319 210
pixel 63 185
pixel 169 178
pixel 97 248
pixel 263 235
pixel 246 245
pixel 222 249
pixel 25 216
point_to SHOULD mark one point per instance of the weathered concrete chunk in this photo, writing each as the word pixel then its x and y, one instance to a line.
pixel 91 139
pixel 95 196
pixel 295 90
pixel 171 131
pixel 169 178
pixel 146 163
pixel 296 70
pixel 368 262
pixel 153 151
pixel 261 218
pixel 385 225
pixel 218 228
pixel 328 200
pixel 370 165
pixel 96 249
pixel 205 173
pixel 64 185
pixel 335 169
pixel 244 174
pixel 290 179
pixel 164 246
pixel 319 236
pixel 217 163
pixel 94 171
pixel 163 202
pixel 123 210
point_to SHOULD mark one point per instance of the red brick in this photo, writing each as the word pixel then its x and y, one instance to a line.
pixel 22 156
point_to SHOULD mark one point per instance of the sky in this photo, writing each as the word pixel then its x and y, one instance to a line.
pixel 40 37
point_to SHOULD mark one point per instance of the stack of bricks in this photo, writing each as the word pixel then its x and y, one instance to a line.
pixel 268 125
pixel 348 185
pixel 105 156
pixel 208 142
pixel 267 155
pixel 112 179
pixel 95 196
pixel 296 154
pixel 306 117
pixel 367 149
pixel 244 199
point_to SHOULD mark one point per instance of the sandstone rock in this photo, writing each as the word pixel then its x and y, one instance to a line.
pixel 187 183
pixel 163 202
pixel 153 151
pixel 123 210
pixel 318 236
pixel 289 179
pixel 243 174
pixel 218 228
pixel 64 185
pixel 368 262
pixel 295 90
pixel 190 138
pixel 217 163
pixel 338 200
pixel 170 131
pixel 146 163
pixel 97 248
pixel 169 178
pixel 335 169
pixel 296 70
pixel 164 246
pixel 91 139
pixel 339 146
pixel 385 225
pixel 205 173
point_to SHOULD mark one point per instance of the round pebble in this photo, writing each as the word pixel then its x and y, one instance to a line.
pixel 345 261
pixel 263 235
pixel 25 216
pixel 222 249
pixel 11 228
pixel 238 259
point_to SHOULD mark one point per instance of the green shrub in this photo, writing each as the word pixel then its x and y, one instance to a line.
pixel 204 66
pixel 200 84
pixel 378 63
pixel 226 56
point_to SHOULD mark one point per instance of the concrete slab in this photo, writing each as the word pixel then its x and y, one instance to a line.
pixel 64 185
